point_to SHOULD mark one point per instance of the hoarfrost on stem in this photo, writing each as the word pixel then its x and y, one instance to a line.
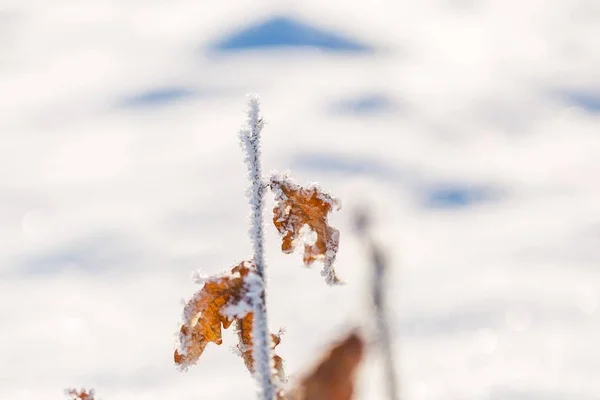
pixel 261 338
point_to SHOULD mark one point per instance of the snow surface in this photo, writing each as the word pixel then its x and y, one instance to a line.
pixel 120 174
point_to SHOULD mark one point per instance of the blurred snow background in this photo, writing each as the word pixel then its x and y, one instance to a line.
pixel 471 128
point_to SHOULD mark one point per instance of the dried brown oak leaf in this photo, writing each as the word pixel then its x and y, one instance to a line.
pixel 221 300
pixel 81 394
pixel 333 377
pixel 297 207
pixel 203 315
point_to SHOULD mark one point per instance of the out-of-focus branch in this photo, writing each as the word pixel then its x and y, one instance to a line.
pixel 378 292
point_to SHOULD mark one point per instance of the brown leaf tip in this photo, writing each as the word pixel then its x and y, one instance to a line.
pixel 300 211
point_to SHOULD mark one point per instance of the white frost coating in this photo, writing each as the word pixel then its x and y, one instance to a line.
pixel 235 350
pixel 285 178
pixel 199 278
pixel 308 235
pixel 237 310
pixel 250 142
pixel 328 272
pixel 254 288
pixel 185 340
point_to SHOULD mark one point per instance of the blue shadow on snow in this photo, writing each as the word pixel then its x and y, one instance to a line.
pixel 159 96
pixel 286 32
pixel 586 100
pixel 453 195
pixel 428 193
pixel 94 254
pixel 367 104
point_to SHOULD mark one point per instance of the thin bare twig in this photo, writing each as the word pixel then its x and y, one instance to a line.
pixel 378 292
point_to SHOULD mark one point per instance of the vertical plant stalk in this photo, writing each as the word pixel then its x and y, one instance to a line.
pixel 383 329
pixel 380 267
pixel 261 339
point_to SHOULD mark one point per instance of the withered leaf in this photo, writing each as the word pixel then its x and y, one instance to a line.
pixel 210 311
pixel 333 377
pixel 297 207
pixel 204 314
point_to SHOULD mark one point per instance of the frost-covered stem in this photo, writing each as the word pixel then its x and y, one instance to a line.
pixel 379 265
pixel 261 339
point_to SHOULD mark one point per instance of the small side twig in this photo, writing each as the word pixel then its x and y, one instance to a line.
pixel 380 267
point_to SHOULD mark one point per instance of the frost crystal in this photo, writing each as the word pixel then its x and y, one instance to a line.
pixel 200 279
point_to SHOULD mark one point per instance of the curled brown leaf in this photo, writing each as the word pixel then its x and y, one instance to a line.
pixel 204 315
pixel 221 300
pixel 297 207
